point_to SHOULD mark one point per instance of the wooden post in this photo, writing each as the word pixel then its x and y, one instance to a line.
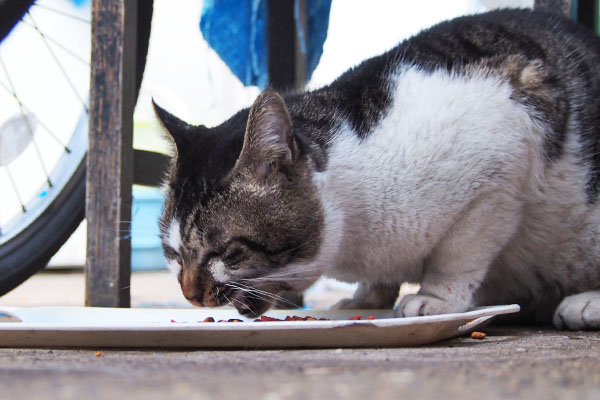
pixel 110 154
pixel 287 70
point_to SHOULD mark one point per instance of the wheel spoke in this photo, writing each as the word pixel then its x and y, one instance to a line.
pixel 58 44
pixel 39 121
pixel 60 66
pixel 16 190
pixel 23 113
pixel 75 17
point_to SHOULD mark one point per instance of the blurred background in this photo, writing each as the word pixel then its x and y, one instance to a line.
pixel 184 75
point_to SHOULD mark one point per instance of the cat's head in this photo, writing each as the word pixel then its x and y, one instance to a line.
pixel 241 216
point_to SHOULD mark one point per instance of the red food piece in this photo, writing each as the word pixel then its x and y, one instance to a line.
pixel 172 320
pixel 265 318
pixel 355 317
pixel 370 317
pixel 478 335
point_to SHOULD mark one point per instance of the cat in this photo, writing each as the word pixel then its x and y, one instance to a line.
pixel 466 159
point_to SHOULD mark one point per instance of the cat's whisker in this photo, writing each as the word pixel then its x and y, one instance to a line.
pixel 228 299
pixel 234 301
pixel 260 294
pixel 252 293
pixel 301 270
pixel 273 296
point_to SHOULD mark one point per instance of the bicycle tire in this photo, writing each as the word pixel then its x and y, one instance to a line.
pixel 30 250
pixel 11 12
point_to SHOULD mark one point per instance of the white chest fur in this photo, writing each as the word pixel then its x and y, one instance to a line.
pixel 390 197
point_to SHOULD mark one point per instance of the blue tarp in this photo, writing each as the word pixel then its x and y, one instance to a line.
pixel 236 30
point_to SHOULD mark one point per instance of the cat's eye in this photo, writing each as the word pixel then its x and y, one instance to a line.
pixel 233 256
pixel 172 254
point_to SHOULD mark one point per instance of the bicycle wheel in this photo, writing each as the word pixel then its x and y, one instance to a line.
pixel 43 214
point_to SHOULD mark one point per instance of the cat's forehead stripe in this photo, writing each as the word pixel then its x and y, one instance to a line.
pixel 174 238
pixel 174 267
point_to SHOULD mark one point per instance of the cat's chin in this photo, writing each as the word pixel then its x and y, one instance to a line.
pixel 249 306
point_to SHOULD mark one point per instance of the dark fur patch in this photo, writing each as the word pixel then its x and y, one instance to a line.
pixel 200 166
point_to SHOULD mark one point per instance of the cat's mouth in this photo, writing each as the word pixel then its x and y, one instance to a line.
pixel 250 305
pixel 250 301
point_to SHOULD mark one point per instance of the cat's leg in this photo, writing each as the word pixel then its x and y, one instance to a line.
pixel 579 312
pixel 459 263
pixel 370 296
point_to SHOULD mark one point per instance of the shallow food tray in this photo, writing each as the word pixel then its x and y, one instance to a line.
pixel 180 328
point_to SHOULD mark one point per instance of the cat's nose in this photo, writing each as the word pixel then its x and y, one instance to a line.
pixel 194 300
pixel 209 299
pixel 197 288
pixel 201 300
pixel 192 294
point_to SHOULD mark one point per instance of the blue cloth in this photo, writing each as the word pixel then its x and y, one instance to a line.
pixel 236 30
pixel 80 3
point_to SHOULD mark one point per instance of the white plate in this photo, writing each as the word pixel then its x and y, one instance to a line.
pixel 127 327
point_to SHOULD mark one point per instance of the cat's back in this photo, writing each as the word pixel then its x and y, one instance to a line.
pixel 566 56
pixel 535 35
pixel 450 45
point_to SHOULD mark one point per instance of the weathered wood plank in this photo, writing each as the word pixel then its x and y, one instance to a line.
pixel 110 154
pixel 287 70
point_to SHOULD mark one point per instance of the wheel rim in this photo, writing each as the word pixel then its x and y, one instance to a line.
pixel 35 177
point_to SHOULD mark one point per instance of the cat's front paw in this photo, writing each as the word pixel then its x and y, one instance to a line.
pixel 415 305
pixel 579 312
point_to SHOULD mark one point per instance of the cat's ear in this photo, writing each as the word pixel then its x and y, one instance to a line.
pixel 269 144
pixel 179 131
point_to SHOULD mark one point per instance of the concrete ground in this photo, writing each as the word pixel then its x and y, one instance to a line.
pixel 511 362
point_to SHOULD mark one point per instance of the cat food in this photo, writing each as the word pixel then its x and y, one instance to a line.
pixel 266 318
pixel 478 335
pixel 98 354
pixel 359 317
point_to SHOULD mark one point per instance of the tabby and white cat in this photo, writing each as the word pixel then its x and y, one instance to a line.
pixel 466 159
